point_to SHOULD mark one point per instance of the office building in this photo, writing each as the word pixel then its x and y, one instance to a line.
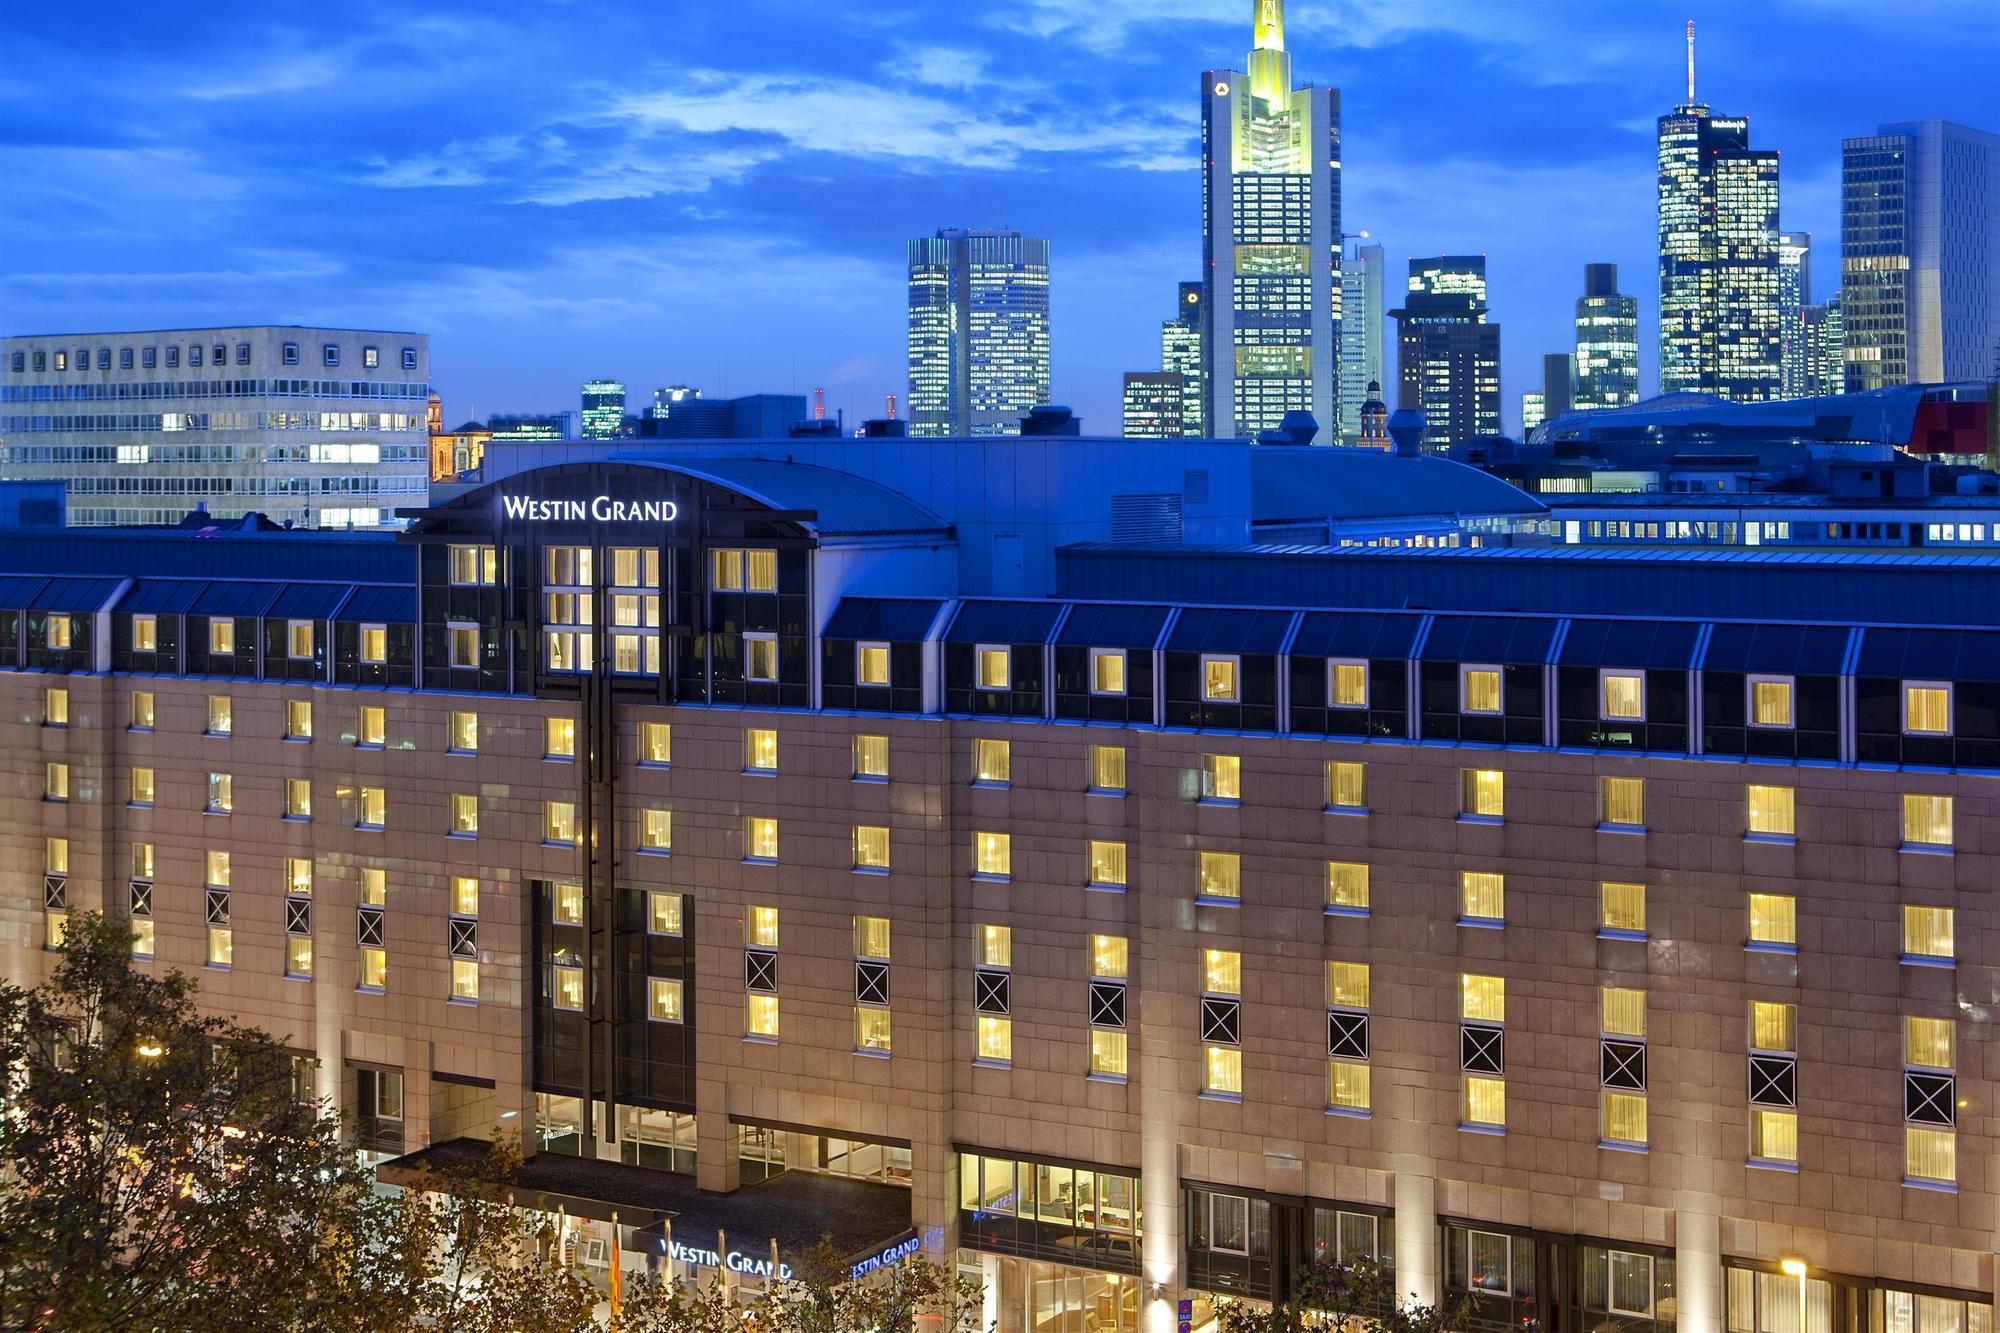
pixel 1588 933
pixel 1447 354
pixel 1825 338
pixel 513 427
pixel 1180 354
pixel 1718 227
pixel 1607 342
pixel 1794 295
pixel 1154 401
pixel 1270 240
pixel 756 416
pixel 1534 410
pixel 1554 398
pixel 1920 254
pixel 315 427
pixel 979 331
pixel 669 397
pixel 1363 273
pixel 603 409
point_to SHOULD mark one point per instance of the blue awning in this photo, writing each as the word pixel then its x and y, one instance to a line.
pixel 1367 635
pixel 161 597
pixel 1501 640
pixel 1003 622
pixel 75 595
pixel 887 619
pixel 1930 654
pixel 375 604
pixel 1779 650
pixel 234 597
pixel 1649 645
pixel 1096 625
pixel 309 601
pixel 1218 629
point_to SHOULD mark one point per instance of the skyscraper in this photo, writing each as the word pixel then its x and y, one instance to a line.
pixel 1794 294
pixel 1920 254
pixel 1361 286
pixel 1154 400
pixel 1447 355
pixel 1180 353
pixel 1718 211
pixel 1607 342
pixel 603 409
pixel 1825 337
pixel 979 330
pixel 1270 239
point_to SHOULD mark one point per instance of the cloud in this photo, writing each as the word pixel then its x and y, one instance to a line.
pixel 944 67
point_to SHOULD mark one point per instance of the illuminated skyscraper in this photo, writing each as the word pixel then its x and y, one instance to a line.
pixel 603 409
pixel 1794 294
pixel 1180 353
pixel 1825 338
pixel 979 331
pixel 1718 202
pixel 1920 254
pixel 1607 342
pixel 1447 355
pixel 1153 403
pixel 1270 240
pixel 1361 283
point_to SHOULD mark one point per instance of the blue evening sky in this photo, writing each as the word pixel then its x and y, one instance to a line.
pixel 716 192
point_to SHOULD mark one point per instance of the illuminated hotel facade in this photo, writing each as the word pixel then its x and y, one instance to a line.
pixel 978 331
pixel 783 850
pixel 1270 240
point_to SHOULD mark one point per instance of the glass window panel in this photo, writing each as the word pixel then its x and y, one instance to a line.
pixel 1222 971
pixel 1482 792
pixel 1623 907
pixel 1927 820
pixel 1482 896
pixel 1773 919
pixel 871 756
pixel 1347 885
pixel 993 853
pixel 1221 875
pixel 1623 1011
pixel 1624 1117
pixel 1770 702
pixel 1222 777
pixel 1107 863
pixel 1482 998
pixel 1927 710
pixel 1348 1085
pixel 1773 1026
pixel 1927 932
pixel 992 760
pixel 1108 956
pixel 1348 684
pixel 1346 785
pixel 1223 1070
pixel 1624 696
pixel 995 668
pixel 1107 671
pixel 1770 810
pixel 1107 767
pixel 1480 689
pixel 1485 1100
pixel 1347 985
pixel 1218 679
pixel 1930 1154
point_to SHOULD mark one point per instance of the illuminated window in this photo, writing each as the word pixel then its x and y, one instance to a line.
pixel 55 856
pixel 568 987
pixel 1221 972
pixel 992 761
pixel 1927 934
pixel 1769 811
pixel 1347 985
pixel 1221 876
pixel 760 657
pixel 1623 1011
pixel 221 793
pixel 1622 802
pixel 1222 1071
pixel 996 946
pixel 1107 671
pixel 1110 957
pixel 1771 701
pixel 221 939
pixel 872 1028
pixel 370 726
pixel 1485 1103
pixel 299 639
pixel 462 733
pixel 1482 897
pixel 656 743
pixel 1774 920
pixel 465 979
pixel 57 633
pixel 1482 793
pixel 464 642
pixel 1622 908
pixel 55 782
pixel 760 749
pixel 475 565
pixel 871 756
pixel 871 937
pixel 142 710
pixel 1926 708
pixel 464 814
pixel 374 808
pixel 1774 1026
pixel 222 636
pixel 663 999
pixel 994 667
pixel 1347 886
pixel 993 854
pixel 760 571
pixel 1622 696
pixel 1346 785
pixel 1107 864
pixel 1624 1117
pixel 1930 1043
pixel 373 968
pixel 559 737
pixel 221 715
pixel 298 798
pixel 142 786
pixel 1221 777
pixel 55 706
pixel 1926 821
pixel 145 634
pixel 1482 999
pixel 871 663
pixel 1774 1135
pixel 871 847
pixel 760 838
pixel 374 887
pixel 1347 684
pixel 298 955
pixel 216 869
pixel 656 830
pixel 663 913
pixel 760 928
pixel 1108 1058
pixel 1107 768
pixel 298 719
pixel 1930 1155
pixel 996 1039
pixel 1219 678
pixel 1479 689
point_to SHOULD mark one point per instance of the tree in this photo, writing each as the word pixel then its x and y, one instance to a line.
pixel 1345 1295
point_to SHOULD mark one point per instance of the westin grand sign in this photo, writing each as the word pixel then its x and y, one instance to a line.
pixel 601 509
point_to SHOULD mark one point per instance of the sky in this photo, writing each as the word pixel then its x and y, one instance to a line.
pixel 717 192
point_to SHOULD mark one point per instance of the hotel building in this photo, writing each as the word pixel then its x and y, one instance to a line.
pixel 1127 870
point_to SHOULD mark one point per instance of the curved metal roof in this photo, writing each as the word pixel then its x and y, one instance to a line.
pixel 846 505
pixel 1294 484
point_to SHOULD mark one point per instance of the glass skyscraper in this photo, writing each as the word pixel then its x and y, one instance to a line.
pixel 979 331
pixel 1825 338
pixel 1718 227
pixel 1447 355
pixel 603 409
pixel 1180 354
pixel 1153 400
pixel 1607 342
pixel 1361 283
pixel 1794 295
pixel 1270 240
pixel 1920 254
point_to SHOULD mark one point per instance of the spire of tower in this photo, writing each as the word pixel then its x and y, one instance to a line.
pixel 1270 64
pixel 1268 26
pixel 1690 100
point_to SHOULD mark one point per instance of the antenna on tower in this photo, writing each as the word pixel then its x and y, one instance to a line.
pixel 1690 100
pixel 819 403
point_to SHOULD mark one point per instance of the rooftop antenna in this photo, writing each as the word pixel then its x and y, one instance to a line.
pixel 1690 100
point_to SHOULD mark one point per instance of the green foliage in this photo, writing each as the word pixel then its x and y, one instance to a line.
pixel 1345 1296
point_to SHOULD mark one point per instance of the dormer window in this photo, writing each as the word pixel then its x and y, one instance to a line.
pixel 1479 690
pixel 1770 702
pixel 1621 696
pixel 995 668
pixel 1107 671
pixel 1926 708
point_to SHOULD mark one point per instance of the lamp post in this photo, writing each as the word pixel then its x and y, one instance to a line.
pixel 1797 1268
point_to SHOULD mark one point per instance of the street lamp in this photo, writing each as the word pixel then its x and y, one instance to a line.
pixel 1797 1268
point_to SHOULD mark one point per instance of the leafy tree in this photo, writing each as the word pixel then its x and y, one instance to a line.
pixel 1345 1295
pixel 820 1297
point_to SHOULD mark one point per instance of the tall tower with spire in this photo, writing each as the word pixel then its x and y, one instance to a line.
pixel 1271 292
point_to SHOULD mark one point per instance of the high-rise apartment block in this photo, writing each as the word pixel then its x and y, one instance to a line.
pixel 1607 342
pixel 1794 294
pixel 1270 240
pixel 1447 354
pixel 1363 274
pixel 1718 230
pixel 1920 254
pixel 315 427
pixel 603 409
pixel 978 331
pixel 1180 353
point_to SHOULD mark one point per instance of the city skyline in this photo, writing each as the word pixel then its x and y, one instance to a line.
pixel 739 226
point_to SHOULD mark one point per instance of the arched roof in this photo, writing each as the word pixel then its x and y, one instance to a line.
pixel 1293 484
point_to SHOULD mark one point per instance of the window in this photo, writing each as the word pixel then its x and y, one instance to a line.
pixel 142 710
pixel 373 811
pixel 1482 999
pixel 1769 812
pixel 464 896
pixel 374 890
pixel 1930 1155
pixel 663 999
pixel 996 1039
pixel 141 786
pixel 871 757
pixel 371 358
pixel 1346 684
pixel 1221 777
pixel 566 905
pixel 222 636
pixel 1221 876
pixel 298 798
pixel 1107 769
pixel 55 706
pixel 299 639
pixel 55 856
pixel 992 995
pixel 1479 689
pixel 145 634
pixel 1347 888
pixel 559 822
pixel 1774 1135
pixel 871 847
pixel 1926 821
pixel 871 664
pixel 1773 1026
pixel 1927 934
pixel 57 632
pixel 656 743
pixel 760 838
pixel 462 733
pixel 409 358
pixel 1770 702
pixel 476 566
pixel 298 719
pixel 760 657
pixel 55 782
pixel 1482 793
pixel 656 830
pixel 995 668
pixel 993 854
pixel 1622 802
pixel 872 1029
pixel 216 869
pixel 760 750
pixel 1347 1000
pixel 760 1017
pixel 221 715
pixel 329 354
pixel 464 814
pixel 1346 785
pixel 738 570
pixel 372 970
pixel 465 980
pixel 996 946
pixel 1926 708
pixel 559 737
pixel 1107 864
pixel 375 645
pixel 1621 696
pixel 1622 909
pixel 568 987
pixel 221 793
pixel 663 913
pixel 1107 671
pixel 1221 1021
pixel 1219 678
pixel 289 354
pixel 464 641
pixel 370 726
pixel 1773 921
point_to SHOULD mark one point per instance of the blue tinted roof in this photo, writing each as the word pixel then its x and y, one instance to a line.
pixel 235 597
pixel 1502 640
pixel 74 594
pixel 1360 634
pixel 1930 654
pixel 844 504
pixel 1641 644
pixel 1212 629
pixel 378 605
pixel 16 591
pixel 889 619
pixel 1003 622
pixel 1780 650
pixel 167 597
pixel 1113 626
pixel 310 601
pixel 1294 483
